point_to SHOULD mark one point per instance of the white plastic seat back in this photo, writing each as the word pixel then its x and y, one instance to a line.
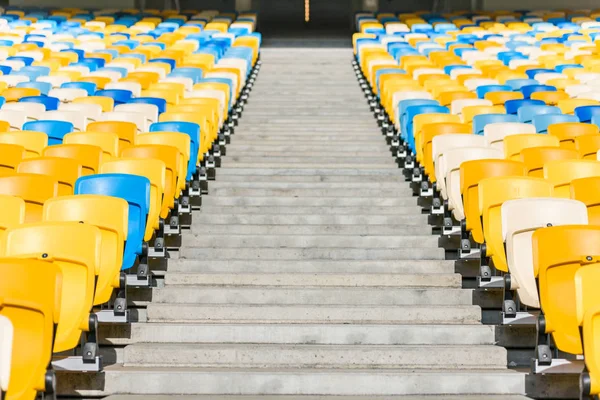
pixel 426 71
pixel 457 106
pixel 237 63
pixel 466 70
pixel 496 132
pixel 473 83
pixel 593 95
pixel 6 343
pixel 188 83
pixel 453 159
pixel 67 95
pixel 77 119
pixel 138 119
pixel 396 27
pixel 114 76
pixel 544 77
pixel 55 81
pixel 16 119
pixel 577 89
pixel 31 110
pixel 520 219
pixel 440 145
pixel 585 77
pixel 227 75
pixel 16 65
pixel 13 80
pixel 514 64
pixel 134 87
pixel 77 68
pixel 408 95
pixel 150 111
pixel 91 112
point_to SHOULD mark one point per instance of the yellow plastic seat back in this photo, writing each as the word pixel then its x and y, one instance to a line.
pixel 16 94
pixel 587 190
pixel 33 189
pixel 190 117
pixel 432 130
pixel 33 142
pixel 107 142
pixel 562 172
pixel 65 170
pixel 30 298
pixel 125 130
pixel 88 156
pixel 107 213
pixel 550 98
pixel 13 211
pixel 106 103
pixel 179 140
pixel 493 192
pixel 566 132
pixel 568 106
pixel 499 98
pixel 423 120
pixel 75 248
pixel 155 171
pixel 12 155
pixel 587 146
pixel 514 144
pixel 535 158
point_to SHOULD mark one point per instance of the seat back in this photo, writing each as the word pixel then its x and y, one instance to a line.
pixel 125 130
pixel 587 146
pixel 34 189
pixel 88 156
pixel 536 157
pixel 542 122
pixel 497 131
pixel 566 132
pixel 562 172
pixel 587 190
pixel 12 155
pixel 513 145
pixel 429 132
pixel 64 170
pixel 55 130
pixel 6 345
pixel 75 248
pixel 493 192
pixel 108 142
pixel 13 211
pixel 422 120
pixel 33 142
pixel 520 219
pixel 179 140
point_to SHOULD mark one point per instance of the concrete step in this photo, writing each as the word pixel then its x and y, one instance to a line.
pixel 376 186
pixel 314 178
pixel 296 171
pixel 237 229
pixel 314 279
pixel 298 137
pixel 305 192
pixel 323 253
pixel 335 148
pixel 261 381
pixel 314 356
pixel 308 241
pixel 240 201
pixel 313 313
pixel 310 210
pixel 235 157
pixel 284 164
pixel 266 219
pixel 314 266
pixel 342 296
pixel 292 397
pixel 319 334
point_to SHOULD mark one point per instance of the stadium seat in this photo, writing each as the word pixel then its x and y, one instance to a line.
pixel 587 191
pixel 64 170
pixel 13 211
pixel 535 158
pixel 562 172
pixel 55 130
pixel 125 130
pixel 568 131
pixel 33 189
pixel 107 141
pixel 179 140
pixel 88 156
pixel 32 142
pixel 496 132
pixel 513 145
pixel 12 155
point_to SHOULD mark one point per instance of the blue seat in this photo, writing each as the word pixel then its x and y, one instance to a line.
pixel 89 87
pixel 120 96
pixel 517 84
pixel 542 121
pixel 586 113
pixel 482 90
pixel 512 106
pixel 560 68
pixel 169 61
pixel 188 72
pixel 5 69
pixel 51 103
pixel 403 105
pixel 135 190
pixel 26 60
pixel 481 120
pixel 157 101
pixel 531 73
pixel 55 130
pixel 527 113
pixel 530 89
pixel 189 128
pixel 43 87
pixel 412 112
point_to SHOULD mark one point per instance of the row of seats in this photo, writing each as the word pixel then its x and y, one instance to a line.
pixel 109 120
pixel 495 119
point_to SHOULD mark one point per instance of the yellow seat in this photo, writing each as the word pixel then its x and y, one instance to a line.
pixel 33 142
pixel 222 87
pixel 209 103
pixel 514 144
pixel 550 98
pixel 13 211
pixel 587 146
pixel 560 173
pixel 171 97
pixel 30 297
pixel 125 130
pixel 587 190
pixel 33 189
pixel 499 98
pixel 155 171
pixel 493 192
pixel 566 132
pixel 12 155
pixel 205 113
pixel 109 214
pixel 75 248
pixel 107 142
pixel 568 106
pixel 16 94
pixel 179 140
pixel 446 98
pixel 170 156
pixel 65 170
pixel 432 130
pixel 471 174
pixel 107 103
pixel 100 81
pixel 4 126
pixel 422 120
pixel 144 78
pixel 535 158
pixel 177 88
pixel 88 156
pixel 190 117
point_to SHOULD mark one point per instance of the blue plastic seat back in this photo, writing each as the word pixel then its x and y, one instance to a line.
pixel 120 96
pixel 531 73
pixel 483 90
pixel 26 60
pixel 586 113
pixel 512 106
pixel 530 89
pixel 189 128
pixel 55 130
pixel 157 101
pixel 51 103
pixel 542 122
pixel 412 112
pixel 43 87
pixel 169 61
pixel 188 72
pixel 135 190
pixel 5 69
pixel 481 120
pixel 596 120
pixel 404 104
pixel 527 113
pixel 89 87
pixel 560 68
pixel 517 84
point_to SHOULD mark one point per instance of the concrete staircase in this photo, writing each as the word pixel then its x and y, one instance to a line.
pixel 309 270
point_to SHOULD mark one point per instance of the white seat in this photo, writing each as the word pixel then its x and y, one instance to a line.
pixel 55 81
pixel 77 119
pixel 424 71
pixel 16 65
pixel 396 27
pixel 150 112
pixel 473 83
pixel 114 76
pixel 397 97
pixel 128 66
pixel 6 343
pixel 227 75
pixel 16 119
pixel 80 68
pixel 592 95
pixel 91 112
pixel 520 219
pixel 514 64
pixel 67 95
pixel 453 158
pixel 36 55
pixel 457 106
pixel 188 83
pixel 134 87
pixel 31 110
pixel 212 94
pixel 237 63
pixel 13 80
pixel 585 77
pixel 471 57
pixel 544 77
pixel 577 89
pixel 138 119
pixel 444 143
pixel 496 132
pixel 456 72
